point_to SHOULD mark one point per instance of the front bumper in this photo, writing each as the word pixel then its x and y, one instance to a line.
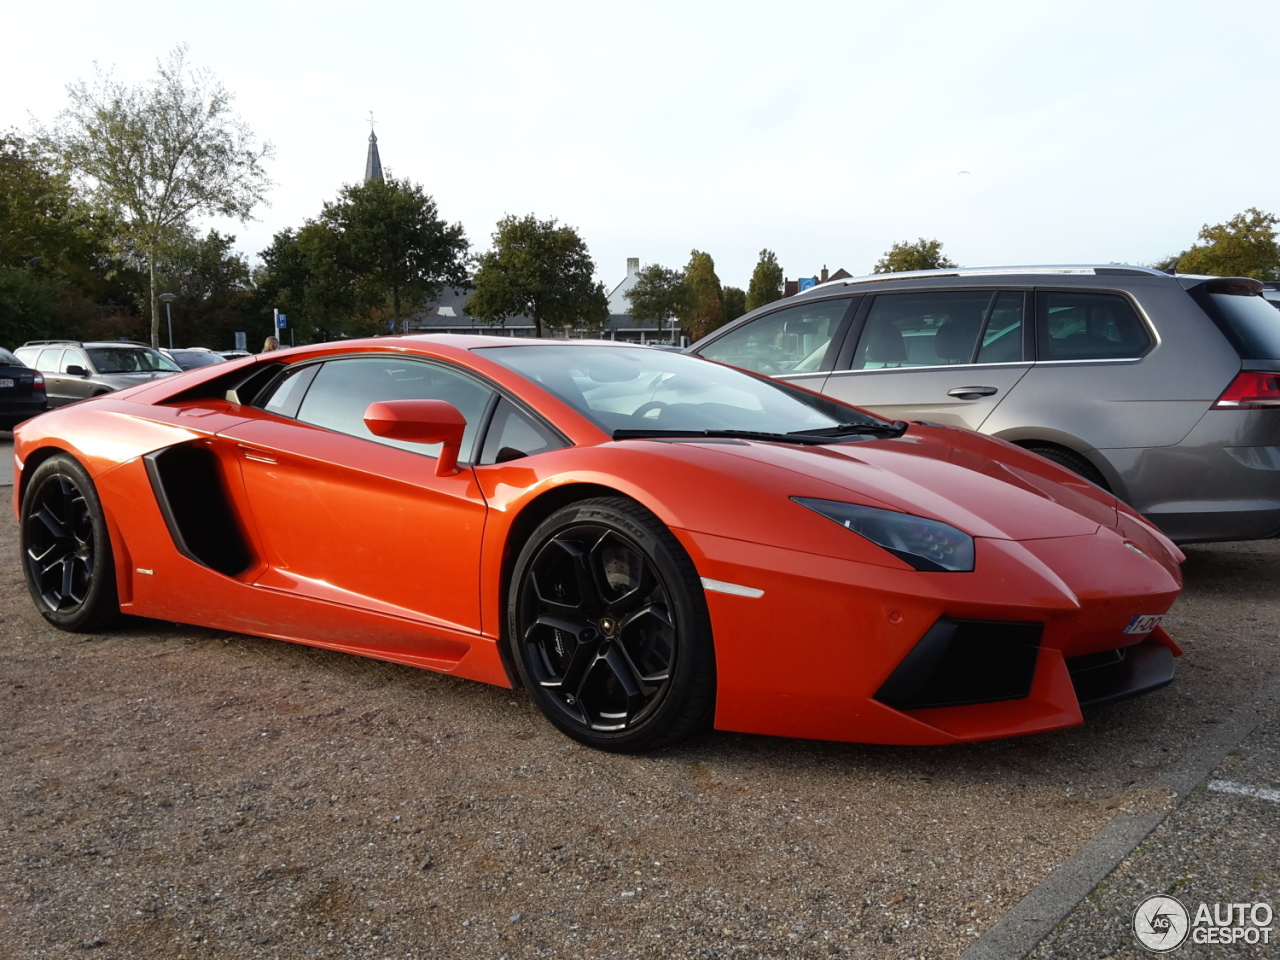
pixel 809 656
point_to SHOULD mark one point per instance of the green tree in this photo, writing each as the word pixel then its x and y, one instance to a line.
pixel 303 275
pixel 766 281
pixel 157 156
pixel 56 266
pixel 213 284
pixel 394 243
pixel 1244 246
pixel 734 303
pixel 705 309
pixel 540 270
pixel 28 308
pixel 659 296
pixel 921 255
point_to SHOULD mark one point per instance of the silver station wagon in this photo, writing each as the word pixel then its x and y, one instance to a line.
pixel 1163 389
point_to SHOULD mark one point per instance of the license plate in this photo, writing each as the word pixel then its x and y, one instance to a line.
pixel 1144 624
pixel 6 382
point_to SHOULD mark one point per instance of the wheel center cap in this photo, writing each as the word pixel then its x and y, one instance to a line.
pixel 608 626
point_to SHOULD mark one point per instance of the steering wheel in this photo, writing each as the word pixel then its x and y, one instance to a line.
pixel 646 408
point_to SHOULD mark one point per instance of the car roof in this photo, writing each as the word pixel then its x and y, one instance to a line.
pixel 473 341
pixel 1052 270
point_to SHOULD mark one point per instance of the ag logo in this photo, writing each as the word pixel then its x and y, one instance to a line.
pixel 1161 923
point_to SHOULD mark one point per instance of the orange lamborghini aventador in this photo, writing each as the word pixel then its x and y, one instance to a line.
pixel 650 543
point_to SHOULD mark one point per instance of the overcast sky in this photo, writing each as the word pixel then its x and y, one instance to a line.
pixel 1016 132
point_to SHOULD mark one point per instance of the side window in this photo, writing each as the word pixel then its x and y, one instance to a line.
pixel 922 329
pixel 343 389
pixel 1002 336
pixel 49 359
pixel 1088 326
pixel 286 396
pixel 513 435
pixel 72 358
pixel 793 340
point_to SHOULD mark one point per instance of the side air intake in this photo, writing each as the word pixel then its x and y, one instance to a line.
pixel 188 484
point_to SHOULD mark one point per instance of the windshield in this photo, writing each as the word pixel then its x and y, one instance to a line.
pixel 8 358
pixel 657 392
pixel 130 360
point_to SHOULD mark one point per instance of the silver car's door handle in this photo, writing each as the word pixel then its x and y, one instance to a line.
pixel 971 393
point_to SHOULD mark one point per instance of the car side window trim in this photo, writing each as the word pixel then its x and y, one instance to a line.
pixel 834 345
pixel 1041 296
pixel 485 419
pixel 853 334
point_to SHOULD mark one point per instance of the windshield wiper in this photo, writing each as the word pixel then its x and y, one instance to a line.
pixel 894 428
pixel 801 438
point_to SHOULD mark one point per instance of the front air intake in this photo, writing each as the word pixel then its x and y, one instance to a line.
pixel 959 662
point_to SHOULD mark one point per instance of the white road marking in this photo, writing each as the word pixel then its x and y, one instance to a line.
pixel 1244 790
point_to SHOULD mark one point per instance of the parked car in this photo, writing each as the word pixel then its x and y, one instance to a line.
pixel 1164 390
pixel 234 354
pixel 649 543
pixel 188 358
pixel 21 391
pixel 74 370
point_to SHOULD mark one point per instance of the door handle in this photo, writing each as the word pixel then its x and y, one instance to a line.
pixel 971 393
pixel 251 453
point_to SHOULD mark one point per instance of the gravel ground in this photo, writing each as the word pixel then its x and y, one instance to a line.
pixel 1217 848
pixel 169 791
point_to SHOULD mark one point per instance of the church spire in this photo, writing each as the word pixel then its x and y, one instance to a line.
pixel 373 163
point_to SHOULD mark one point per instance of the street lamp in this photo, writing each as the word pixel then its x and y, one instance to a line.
pixel 166 299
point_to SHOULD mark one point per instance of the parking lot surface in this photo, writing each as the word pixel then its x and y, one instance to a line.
pixel 170 791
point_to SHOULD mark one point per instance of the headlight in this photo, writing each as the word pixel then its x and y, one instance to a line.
pixel 925 544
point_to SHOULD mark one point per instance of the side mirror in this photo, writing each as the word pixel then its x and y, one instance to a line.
pixel 420 421
pixel 75 370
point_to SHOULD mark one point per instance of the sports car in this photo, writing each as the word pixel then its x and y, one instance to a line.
pixel 648 542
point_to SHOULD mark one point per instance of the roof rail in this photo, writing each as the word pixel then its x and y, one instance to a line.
pixel 1084 270
pixel 43 343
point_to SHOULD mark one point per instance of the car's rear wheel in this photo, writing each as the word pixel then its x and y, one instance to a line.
pixel 66 551
pixel 609 629
pixel 1073 462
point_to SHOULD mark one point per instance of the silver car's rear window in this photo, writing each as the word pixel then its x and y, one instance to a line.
pixel 1249 322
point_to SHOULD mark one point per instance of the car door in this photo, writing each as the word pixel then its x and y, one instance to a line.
pixel 950 355
pixel 48 361
pixel 76 386
pixel 350 518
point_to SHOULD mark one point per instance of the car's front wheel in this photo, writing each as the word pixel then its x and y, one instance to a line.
pixel 609 629
pixel 66 552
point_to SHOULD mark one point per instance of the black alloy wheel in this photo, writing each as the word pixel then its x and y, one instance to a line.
pixel 609 629
pixel 66 551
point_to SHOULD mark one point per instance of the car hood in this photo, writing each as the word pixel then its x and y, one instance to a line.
pixel 985 487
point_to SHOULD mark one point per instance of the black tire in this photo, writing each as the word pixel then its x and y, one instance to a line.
pixel 66 551
pixel 608 627
pixel 1073 462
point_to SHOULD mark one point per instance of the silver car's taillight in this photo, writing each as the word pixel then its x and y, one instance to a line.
pixel 1251 390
